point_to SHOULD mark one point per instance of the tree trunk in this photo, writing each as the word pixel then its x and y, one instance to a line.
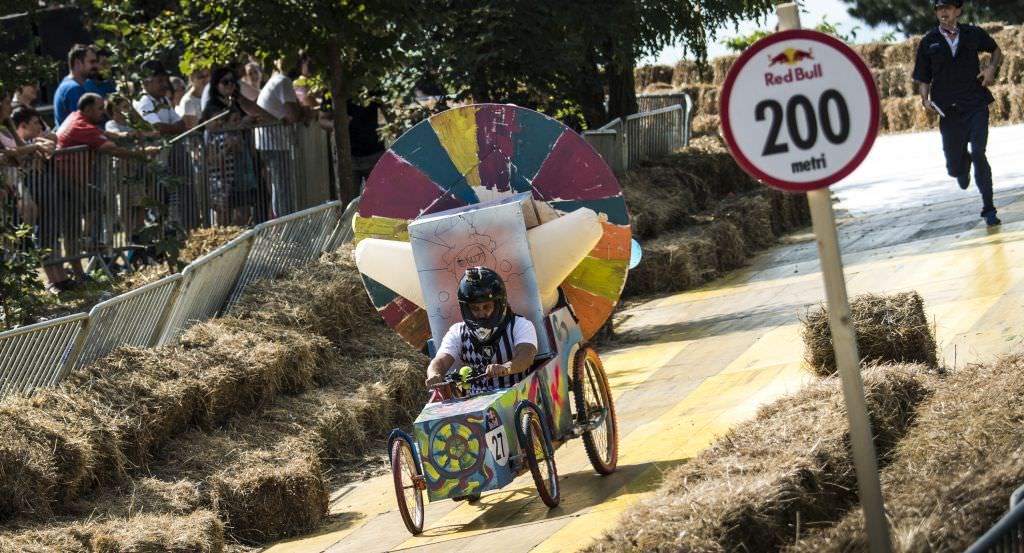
pixel 339 95
pixel 621 87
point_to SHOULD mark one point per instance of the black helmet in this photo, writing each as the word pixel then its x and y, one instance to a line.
pixel 478 285
pixel 954 3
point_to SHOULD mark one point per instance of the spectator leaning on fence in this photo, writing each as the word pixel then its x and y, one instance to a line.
pixel 191 103
pixel 82 65
pixel 154 105
pixel 276 144
pixel 80 129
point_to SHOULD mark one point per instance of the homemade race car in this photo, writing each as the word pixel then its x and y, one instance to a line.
pixel 462 447
pixel 539 207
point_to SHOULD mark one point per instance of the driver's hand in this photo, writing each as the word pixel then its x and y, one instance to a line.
pixel 495 370
pixel 434 378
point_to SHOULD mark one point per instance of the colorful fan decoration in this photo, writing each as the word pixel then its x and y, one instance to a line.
pixel 485 151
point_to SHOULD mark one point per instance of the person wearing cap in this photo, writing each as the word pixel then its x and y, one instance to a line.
pixel 952 82
pixel 82 65
pixel 154 106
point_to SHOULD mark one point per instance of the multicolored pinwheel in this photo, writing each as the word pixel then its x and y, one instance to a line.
pixel 481 152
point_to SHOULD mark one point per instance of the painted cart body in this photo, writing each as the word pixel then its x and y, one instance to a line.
pixel 468 446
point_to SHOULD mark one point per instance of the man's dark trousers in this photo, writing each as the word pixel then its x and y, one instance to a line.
pixel 960 128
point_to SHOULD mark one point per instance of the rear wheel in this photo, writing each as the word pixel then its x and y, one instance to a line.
pixel 595 411
pixel 540 457
pixel 410 497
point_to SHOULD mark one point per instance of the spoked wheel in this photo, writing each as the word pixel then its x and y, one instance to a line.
pixel 540 457
pixel 410 497
pixel 595 412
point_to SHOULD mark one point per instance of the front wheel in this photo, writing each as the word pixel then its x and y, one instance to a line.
pixel 409 495
pixel 595 412
pixel 540 457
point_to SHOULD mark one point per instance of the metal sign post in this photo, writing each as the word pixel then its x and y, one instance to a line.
pixel 844 340
pixel 792 114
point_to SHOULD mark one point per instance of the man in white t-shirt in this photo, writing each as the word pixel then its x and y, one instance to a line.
pixel 491 340
pixel 154 106
pixel 277 143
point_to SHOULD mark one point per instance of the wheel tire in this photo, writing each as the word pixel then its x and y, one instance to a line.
pixel 537 451
pixel 410 498
pixel 591 394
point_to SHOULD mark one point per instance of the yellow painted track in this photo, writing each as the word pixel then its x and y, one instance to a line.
pixel 705 360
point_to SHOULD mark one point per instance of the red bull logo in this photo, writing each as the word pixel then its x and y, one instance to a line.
pixel 791 56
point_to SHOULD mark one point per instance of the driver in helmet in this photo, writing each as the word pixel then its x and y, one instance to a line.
pixel 491 339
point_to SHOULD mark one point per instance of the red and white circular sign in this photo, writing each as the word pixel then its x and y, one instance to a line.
pixel 799 110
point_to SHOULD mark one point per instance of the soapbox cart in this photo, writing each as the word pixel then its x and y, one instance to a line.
pixel 464 446
pixel 513 190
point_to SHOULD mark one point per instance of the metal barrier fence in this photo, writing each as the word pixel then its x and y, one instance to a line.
pixel 625 141
pixel 158 313
pixel 85 204
pixel 1007 536
pixel 286 242
pixel 651 102
pixel 38 355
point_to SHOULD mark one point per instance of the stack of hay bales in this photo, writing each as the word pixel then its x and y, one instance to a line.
pixel 646 75
pixel 952 474
pixel 890 329
pixel 699 215
pixel 891 66
pixel 768 480
pixel 239 423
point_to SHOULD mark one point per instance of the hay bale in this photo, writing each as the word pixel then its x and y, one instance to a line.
pixel 688 72
pixel 788 468
pixel 952 474
pixel 271 495
pixel 662 194
pixel 658 88
pixel 873 53
pixel 198 532
pixel 901 53
pixel 1000 108
pixel 326 298
pixel 902 114
pixel 706 125
pixel 720 68
pixel 1012 70
pixel 890 329
pixel 673 262
pixel 1017 104
pixel 647 75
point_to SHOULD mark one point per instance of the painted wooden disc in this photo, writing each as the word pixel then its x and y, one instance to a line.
pixel 485 151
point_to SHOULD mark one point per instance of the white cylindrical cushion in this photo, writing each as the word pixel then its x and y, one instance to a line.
pixel 391 263
pixel 558 246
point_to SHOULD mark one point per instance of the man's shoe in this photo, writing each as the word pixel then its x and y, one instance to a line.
pixel 991 219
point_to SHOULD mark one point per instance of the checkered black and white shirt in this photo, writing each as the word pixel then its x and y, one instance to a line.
pixel 460 346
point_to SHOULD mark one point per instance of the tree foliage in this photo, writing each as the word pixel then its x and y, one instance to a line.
pixel 22 66
pixel 914 17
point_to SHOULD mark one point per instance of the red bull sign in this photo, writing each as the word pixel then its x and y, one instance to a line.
pixel 799 110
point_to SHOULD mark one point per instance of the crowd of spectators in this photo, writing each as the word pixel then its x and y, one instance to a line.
pixel 223 116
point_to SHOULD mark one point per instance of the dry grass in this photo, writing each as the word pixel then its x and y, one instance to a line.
pixel 198 532
pixel 890 329
pixel 687 72
pixel 772 478
pixel 953 473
